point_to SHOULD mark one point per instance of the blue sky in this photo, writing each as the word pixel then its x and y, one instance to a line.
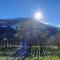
pixel 26 8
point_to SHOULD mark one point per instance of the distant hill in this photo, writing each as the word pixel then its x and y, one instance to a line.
pixel 35 31
pixel 31 30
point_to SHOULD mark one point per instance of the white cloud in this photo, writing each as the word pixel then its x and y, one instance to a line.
pixel 58 26
pixel 45 23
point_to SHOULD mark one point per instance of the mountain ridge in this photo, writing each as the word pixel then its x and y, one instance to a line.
pixel 29 28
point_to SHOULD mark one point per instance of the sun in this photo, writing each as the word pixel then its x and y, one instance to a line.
pixel 38 16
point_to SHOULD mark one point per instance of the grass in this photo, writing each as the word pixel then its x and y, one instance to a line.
pixel 31 58
pixel 49 54
pixel 44 58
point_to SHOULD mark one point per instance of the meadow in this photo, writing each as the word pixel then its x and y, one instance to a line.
pixel 47 54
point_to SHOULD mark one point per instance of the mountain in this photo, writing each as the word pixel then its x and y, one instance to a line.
pixel 35 32
pixel 55 40
pixel 29 30
pixel 6 32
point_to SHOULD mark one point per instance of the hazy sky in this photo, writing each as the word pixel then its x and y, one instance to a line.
pixel 27 8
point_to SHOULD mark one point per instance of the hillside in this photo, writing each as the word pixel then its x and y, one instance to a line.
pixel 32 30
